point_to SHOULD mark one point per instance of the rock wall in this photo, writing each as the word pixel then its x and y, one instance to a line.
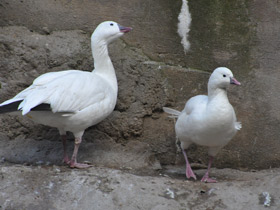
pixel 153 71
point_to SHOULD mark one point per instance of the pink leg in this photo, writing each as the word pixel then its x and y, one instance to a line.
pixel 206 177
pixel 189 172
pixel 65 156
pixel 73 162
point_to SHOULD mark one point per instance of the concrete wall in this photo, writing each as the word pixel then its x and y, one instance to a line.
pixel 153 71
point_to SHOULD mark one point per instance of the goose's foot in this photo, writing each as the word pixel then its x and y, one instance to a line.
pixel 73 163
pixel 207 179
pixel 65 155
pixel 66 160
pixel 79 165
pixel 189 172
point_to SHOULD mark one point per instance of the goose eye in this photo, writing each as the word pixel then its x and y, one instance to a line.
pixel 111 24
pixel 224 75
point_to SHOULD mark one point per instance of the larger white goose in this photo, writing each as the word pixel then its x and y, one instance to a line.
pixel 74 100
pixel 207 120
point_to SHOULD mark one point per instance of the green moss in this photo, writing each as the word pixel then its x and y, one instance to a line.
pixel 220 26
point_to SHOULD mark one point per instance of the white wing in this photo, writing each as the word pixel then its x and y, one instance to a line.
pixel 66 91
pixel 196 104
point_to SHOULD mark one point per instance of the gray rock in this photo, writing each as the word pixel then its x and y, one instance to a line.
pixel 54 187
pixel 153 71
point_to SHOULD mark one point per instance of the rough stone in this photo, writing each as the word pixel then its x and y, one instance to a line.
pixel 153 71
pixel 53 187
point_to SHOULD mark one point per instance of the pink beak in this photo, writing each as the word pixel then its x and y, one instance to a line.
pixel 125 29
pixel 234 81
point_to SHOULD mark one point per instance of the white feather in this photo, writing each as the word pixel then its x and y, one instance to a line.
pixel 78 99
pixel 238 125
pixel 208 120
pixel 173 113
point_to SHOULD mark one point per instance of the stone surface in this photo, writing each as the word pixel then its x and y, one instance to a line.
pixel 53 187
pixel 153 71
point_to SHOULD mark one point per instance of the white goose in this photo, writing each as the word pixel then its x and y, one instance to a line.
pixel 207 120
pixel 74 100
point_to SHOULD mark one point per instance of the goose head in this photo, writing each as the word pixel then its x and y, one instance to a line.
pixel 108 31
pixel 221 78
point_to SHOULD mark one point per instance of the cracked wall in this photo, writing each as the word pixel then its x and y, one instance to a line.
pixel 152 69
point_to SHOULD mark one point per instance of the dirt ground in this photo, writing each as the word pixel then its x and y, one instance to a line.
pixel 59 187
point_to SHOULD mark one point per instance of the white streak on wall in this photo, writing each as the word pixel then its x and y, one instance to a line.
pixel 184 25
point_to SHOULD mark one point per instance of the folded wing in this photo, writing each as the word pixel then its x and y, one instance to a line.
pixel 66 91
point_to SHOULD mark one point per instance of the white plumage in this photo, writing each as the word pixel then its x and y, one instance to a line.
pixel 207 120
pixel 77 99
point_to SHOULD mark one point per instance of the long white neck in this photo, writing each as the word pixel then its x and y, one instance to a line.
pixel 102 62
pixel 214 92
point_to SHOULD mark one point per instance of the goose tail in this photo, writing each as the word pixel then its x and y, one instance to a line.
pixel 173 113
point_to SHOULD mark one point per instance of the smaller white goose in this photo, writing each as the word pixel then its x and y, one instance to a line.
pixel 207 120
pixel 73 100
